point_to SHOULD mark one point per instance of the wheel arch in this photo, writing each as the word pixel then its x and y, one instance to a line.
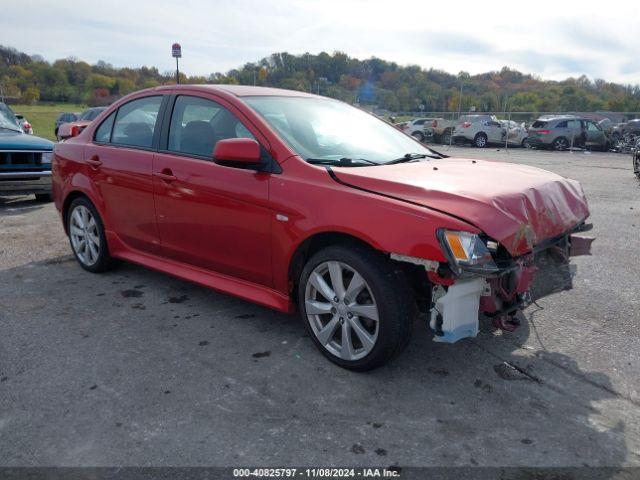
pixel 68 200
pixel 313 244
pixel 481 133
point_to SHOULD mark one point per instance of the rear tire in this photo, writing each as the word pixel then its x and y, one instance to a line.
pixel 362 326
pixel 44 197
pixel 480 140
pixel 560 144
pixel 418 136
pixel 87 236
pixel 445 139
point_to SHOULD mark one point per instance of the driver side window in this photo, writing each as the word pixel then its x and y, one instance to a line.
pixel 197 124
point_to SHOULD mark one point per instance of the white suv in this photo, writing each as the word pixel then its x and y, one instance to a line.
pixel 480 130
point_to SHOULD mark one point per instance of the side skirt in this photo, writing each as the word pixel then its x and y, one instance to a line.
pixel 252 292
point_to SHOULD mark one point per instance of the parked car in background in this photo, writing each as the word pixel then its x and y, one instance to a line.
pixel 439 130
pixel 480 130
pixel 563 132
pixel 516 133
pixel 622 129
pixel 24 124
pixel 415 128
pixel 252 191
pixel 25 160
pixel 71 129
pixel 64 117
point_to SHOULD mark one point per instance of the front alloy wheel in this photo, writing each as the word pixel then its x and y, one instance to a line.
pixel 341 310
pixel 356 305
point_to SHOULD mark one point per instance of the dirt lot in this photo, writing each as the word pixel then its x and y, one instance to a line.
pixel 137 368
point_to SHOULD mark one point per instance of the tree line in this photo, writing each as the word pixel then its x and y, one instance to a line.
pixel 387 85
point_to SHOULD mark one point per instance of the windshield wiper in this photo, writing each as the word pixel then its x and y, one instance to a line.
pixel 409 157
pixel 343 162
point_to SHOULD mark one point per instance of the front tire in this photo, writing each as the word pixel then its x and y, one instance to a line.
pixel 87 237
pixel 356 306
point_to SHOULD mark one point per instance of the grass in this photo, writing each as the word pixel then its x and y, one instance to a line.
pixel 43 117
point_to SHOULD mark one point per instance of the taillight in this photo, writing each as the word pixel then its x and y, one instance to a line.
pixel 544 132
pixel 466 124
pixel 26 125
pixel 434 124
pixel 76 130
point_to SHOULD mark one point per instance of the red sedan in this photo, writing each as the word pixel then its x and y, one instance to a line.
pixel 296 201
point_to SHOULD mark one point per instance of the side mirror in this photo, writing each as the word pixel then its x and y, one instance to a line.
pixel 241 151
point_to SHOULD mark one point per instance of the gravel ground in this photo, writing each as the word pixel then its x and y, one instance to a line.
pixel 136 368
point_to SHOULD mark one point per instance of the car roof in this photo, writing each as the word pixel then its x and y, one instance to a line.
pixel 238 90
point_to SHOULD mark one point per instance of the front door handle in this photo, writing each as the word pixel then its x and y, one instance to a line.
pixel 166 175
pixel 94 161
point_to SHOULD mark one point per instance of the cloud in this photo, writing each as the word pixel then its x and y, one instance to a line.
pixel 553 40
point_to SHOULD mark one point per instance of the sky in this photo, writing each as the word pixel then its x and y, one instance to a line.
pixel 551 39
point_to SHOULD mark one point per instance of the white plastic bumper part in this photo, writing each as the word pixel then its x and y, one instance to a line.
pixel 459 308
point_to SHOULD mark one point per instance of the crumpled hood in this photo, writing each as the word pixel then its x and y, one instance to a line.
pixel 517 205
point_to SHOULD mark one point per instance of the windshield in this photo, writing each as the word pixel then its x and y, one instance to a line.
pixel 325 129
pixel 7 120
pixel 90 114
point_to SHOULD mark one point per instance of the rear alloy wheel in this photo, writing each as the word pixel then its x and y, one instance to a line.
pixel 560 144
pixel 355 306
pixel 87 238
pixel 446 138
pixel 418 136
pixel 480 140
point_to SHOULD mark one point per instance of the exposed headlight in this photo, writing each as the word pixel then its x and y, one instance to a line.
pixel 46 158
pixel 467 252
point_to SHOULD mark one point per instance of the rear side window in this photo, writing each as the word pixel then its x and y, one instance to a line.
pixel 103 133
pixel 539 124
pixel 136 121
pixel 562 124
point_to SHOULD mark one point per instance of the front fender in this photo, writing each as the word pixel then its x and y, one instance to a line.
pixel 324 206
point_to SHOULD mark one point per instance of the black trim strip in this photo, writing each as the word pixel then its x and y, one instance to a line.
pixel 336 179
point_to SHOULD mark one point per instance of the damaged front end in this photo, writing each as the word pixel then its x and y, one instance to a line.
pixel 481 279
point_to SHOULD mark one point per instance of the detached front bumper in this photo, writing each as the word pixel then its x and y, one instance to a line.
pixel 457 304
pixel 25 183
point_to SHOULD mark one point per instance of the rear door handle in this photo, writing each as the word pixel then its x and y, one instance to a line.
pixel 166 175
pixel 94 161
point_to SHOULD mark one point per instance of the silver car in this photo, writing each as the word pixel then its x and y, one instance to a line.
pixel 563 132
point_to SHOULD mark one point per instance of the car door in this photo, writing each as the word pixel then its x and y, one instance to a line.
pixel 574 132
pixel 494 131
pixel 595 136
pixel 120 161
pixel 211 216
